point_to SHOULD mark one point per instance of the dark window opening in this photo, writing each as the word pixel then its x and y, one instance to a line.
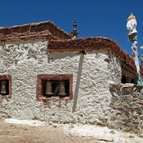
pixel 4 87
pixel 132 81
pixel 127 79
pixel 124 80
pixel 55 88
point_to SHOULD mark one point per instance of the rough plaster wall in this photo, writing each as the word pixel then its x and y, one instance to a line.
pixel 115 69
pixel 24 60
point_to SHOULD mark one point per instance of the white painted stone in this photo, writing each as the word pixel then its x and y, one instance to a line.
pixel 24 60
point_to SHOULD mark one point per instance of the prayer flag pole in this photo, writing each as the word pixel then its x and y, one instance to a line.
pixel 132 35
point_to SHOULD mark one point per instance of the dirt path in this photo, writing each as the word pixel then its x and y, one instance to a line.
pixel 14 133
pixel 11 133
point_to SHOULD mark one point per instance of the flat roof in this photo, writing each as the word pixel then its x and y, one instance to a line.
pixel 42 29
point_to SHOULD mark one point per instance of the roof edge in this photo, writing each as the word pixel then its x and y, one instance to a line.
pixel 40 28
pixel 91 44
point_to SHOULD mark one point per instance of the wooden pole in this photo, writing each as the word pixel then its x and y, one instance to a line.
pixel 78 81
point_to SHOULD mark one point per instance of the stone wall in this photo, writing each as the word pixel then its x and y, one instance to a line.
pixel 24 60
pixel 126 109
pixel 114 67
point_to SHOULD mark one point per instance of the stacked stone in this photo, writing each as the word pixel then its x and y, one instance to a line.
pixel 126 111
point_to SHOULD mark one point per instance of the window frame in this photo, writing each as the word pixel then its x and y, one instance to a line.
pixel 60 77
pixel 7 77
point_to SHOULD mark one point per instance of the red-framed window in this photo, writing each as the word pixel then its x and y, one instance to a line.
pixel 50 85
pixel 6 86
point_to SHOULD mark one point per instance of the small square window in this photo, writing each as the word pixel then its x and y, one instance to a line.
pixel 5 86
pixel 54 86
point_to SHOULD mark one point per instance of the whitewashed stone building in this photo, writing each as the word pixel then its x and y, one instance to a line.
pixel 42 68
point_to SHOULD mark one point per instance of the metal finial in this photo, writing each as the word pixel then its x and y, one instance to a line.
pixel 74 33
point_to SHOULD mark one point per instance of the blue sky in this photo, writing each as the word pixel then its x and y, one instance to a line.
pixel 94 17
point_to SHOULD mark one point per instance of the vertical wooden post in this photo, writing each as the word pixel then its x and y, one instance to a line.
pixel 78 81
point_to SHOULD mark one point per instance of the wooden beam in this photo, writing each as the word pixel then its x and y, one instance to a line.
pixel 78 81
